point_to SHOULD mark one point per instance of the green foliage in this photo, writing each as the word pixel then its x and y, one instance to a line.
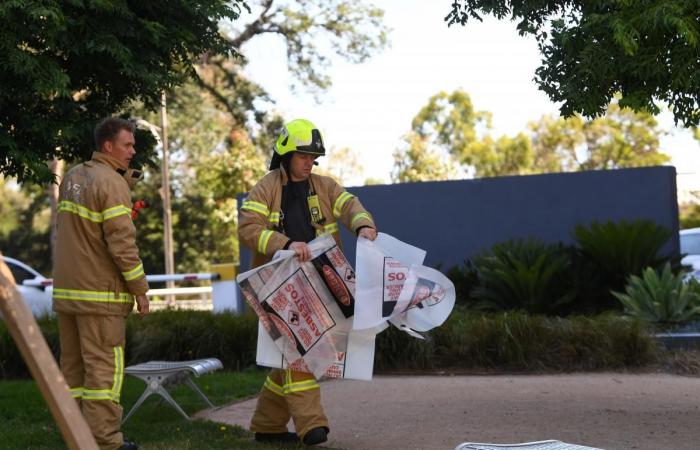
pixel 465 277
pixel 648 51
pixel 620 249
pixel 444 133
pixel 515 341
pixel 524 274
pixel 559 279
pixel 27 235
pixel 621 138
pixel 179 335
pixel 608 253
pixel 468 340
pixel 163 335
pixel 661 298
pixel 689 216
pixel 64 66
pixel 28 424
pixel 416 161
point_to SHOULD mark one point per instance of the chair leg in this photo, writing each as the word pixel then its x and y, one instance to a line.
pixel 192 384
pixel 166 395
pixel 147 393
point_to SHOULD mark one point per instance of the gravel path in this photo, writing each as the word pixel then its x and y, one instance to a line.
pixel 609 411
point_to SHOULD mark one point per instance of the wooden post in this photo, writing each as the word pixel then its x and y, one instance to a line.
pixel 42 365
pixel 167 211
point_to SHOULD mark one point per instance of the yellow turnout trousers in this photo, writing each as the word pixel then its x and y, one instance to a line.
pixel 287 393
pixel 92 362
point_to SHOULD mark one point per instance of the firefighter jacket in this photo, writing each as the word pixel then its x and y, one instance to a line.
pixel 97 269
pixel 261 227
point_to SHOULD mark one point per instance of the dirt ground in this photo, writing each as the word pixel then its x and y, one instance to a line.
pixel 608 411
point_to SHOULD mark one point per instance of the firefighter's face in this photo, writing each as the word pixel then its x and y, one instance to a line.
pixel 300 166
pixel 121 147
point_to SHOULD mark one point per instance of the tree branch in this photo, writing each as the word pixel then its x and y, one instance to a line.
pixel 254 28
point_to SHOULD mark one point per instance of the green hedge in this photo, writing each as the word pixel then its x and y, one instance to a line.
pixel 505 341
pixel 515 341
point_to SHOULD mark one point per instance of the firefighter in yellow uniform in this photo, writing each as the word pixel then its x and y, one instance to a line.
pixel 97 274
pixel 287 208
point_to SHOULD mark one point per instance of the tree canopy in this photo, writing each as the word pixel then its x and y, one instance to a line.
pixel 647 51
pixel 64 65
pixel 448 134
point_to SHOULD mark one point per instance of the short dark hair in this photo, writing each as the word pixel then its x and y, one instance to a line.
pixel 110 127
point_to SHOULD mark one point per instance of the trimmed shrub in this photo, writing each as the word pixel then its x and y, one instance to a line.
pixel 608 253
pixel 511 341
pixel 527 275
pixel 661 299
pixel 162 335
pixel 516 341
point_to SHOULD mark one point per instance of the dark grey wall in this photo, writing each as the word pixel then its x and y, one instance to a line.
pixel 452 220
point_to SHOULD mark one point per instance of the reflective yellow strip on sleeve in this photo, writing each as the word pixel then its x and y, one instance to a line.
pixel 115 211
pixel 263 240
pixel 273 387
pixel 274 218
pixel 328 229
pixel 362 215
pixel 77 392
pixel 340 202
pixel 79 210
pixel 134 273
pixel 91 296
pixel 93 216
pixel 256 206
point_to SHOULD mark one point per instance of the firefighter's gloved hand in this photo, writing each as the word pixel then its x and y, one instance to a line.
pixel 301 249
pixel 367 233
pixel 142 305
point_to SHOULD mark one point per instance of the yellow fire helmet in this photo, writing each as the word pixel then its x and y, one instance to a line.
pixel 300 135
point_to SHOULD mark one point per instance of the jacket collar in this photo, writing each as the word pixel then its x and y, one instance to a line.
pixel 108 160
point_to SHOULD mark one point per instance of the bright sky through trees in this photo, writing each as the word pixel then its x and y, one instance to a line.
pixel 370 106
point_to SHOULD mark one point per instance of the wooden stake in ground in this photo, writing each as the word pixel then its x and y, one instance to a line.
pixel 42 365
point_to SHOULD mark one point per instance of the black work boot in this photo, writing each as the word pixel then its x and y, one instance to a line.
pixel 316 436
pixel 286 437
pixel 129 445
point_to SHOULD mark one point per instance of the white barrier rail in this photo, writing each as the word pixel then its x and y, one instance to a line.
pixel 220 296
pixel 151 278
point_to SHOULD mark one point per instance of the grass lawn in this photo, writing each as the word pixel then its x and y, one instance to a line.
pixel 26 423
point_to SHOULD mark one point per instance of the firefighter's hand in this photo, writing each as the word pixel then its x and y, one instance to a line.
pixel 301 249
pixel 142 305
pixel 368 233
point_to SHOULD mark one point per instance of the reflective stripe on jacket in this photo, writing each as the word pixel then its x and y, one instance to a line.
pixel 97 267
pixel 260 214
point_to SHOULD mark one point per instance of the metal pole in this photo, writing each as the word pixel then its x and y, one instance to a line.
pixel 165 192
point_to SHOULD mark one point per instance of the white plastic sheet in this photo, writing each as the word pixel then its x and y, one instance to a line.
pixel 306 311
pixel 394 286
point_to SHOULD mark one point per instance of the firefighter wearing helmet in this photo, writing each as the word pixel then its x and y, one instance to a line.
pixel 286 209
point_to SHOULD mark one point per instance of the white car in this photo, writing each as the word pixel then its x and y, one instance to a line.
pixel 34 287
pixel 690 246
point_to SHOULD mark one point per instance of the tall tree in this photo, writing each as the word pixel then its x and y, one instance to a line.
pixel 223 124
pixel 417 160
pixel 65 65
pixel 449 125
pixel 646 50
pixel 620 138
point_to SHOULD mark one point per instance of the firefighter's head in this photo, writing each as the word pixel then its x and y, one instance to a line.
pixel 297 148
pixel 115 137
